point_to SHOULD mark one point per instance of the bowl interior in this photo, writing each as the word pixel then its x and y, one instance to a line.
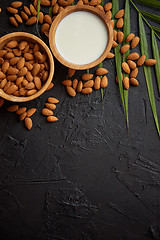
pixel 19 36
pixel 57 21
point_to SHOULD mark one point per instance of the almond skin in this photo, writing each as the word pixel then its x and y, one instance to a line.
pixel 120 23
pixel 133 81
pixel 3 83
pixel 12 71
pixel 36 69
pixel 110 55
pixel 131 64
pixel 47 19
pixel 108 6
pixel 126 82
pixel 22 116
pixel 41 16
pixel 141 60
pixel 24 16
pixel 12 44
pixel 133 56
pixel 88 84
pixel 135 42
pixel 28 123
pixel 71 72
pixel 52 119
pixel 12 108
pixel 67 83
pixel 79 86
pixel 74 84
pixel 104 82
pixel 71 91
pixel 125 67
pixel 120 36
pixel 29 86
pixel 86 90
pixel 125 48
pixel 134 73
pixel 22 72
pixel 33 10
pixel 120 14
pixel 20 63
pixel 150 62
pixel 50 106
pixel 47 112
pixel 31 20
pixel 37 82
pixel 129 37
pixel 16 4
pixel 21 110
pixel 13 21
pixel 1 102
pixel 27 11
pixel 31 111
pixel 101 71
pixel 52 100
pixel 86 77
pixel 12 10
pixel 97 83
pixel 18 18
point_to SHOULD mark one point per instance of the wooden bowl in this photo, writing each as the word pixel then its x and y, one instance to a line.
pixel 60 17
pixel 19 36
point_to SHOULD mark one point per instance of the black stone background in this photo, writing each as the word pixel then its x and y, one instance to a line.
pixel 83 177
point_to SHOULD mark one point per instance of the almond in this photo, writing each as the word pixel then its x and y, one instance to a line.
pixel 86 90
pixel 7 85
pixel 18 18
pixel 45 3
pixel 47 19
pixel 12 108
pixel 17 52
pixel 16 93
pixel 31 92
pixel 1 102
pixel 50 106
pixel 125 48
pixel 53 100
pixel 28 56
pixel 21 110
pixel 110 55
pixel 20 63
pixel 74 84
pixel 120 23
pixel 23 91
pixel 5 66
pixel 41 16
pixel 36 69
pixel 38 55
pixel 23 71
pixel 86 76
pixel 67 83
pixel 79 86
pixel 150 62
pixel 29 86
pixel 13 21
pixel 65 3
pixel 12 71
pixel 104 82
pixel 22 116
pixel 3 83
pixel 94 2
pixel 31 20
pixel 120 36
pixel 37 83
pixel 126 83
pixel 97 83
pixel 27 11
pixel 133 56
pixel 55 8
pixel 135 42
pixel 2 52
pixel 47 112
pixel 24 16
pixel 115 35
pixel 13 61
pixel 29 66
pixel 109 15
pixel 101 71
pixel 16 4
pixel 71 72
pixel 2 75
pixel 88 84
pixel 25 82
pixel 31 111
pixel 141 60
pixel 12 78
pixel 28 123
pixel 71 91
pixel 9 55
pixel 133 81
pixel 115 44
pixel 131 64
pixel 53 2
pixel 1 61
pixel 129 37
pixel 51 85
pixel 12 10
pixel 120 14
pixel 52 119
pixel 36 47
pixel 22 45
pixel 12 44
pixel 108 6
pixel 33 10
pixel 19 80
pixel 125 67
pixel 134 73
pixel 45 76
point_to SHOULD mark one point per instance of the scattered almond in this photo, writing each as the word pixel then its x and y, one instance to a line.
pixel 53 100
pixel 31 111
pixel 120 36
pixel 125 48
pixel 110 55
pixel 129 37
pixel 22 116
pixel 13 21
pixel 133 56
pixel 86 76
pixel 16 4
pixel 88 84
pixel 115 44
pixel 131 64
pixel 150 62
pixel 74 84
pixel 126 82
pixel 71 72
pixel 125 67
pixel 1 102
pixel 86 90
pixel 79 86
pixel 115 35
pixel 71 91
pixel 101 71
pixel 50 106
pixel 134 42
pixel 28 123
pixel 133 81
pixel 108 6
pixel 134 73
pixel 104 82
pixel 97 83
pixel 67 82
pixel 120 23
pixel 52 119
pixel 21 110
pixel 141 60
pixel 12 108
pixel 12 10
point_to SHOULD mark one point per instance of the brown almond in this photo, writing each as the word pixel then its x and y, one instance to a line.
pixel 141 60
pixel 13 21
pixel 2 75
pixel 16 4
pixel 22 45
pixel 5 66
pixel 125 48
pixel 28 56
pixel 126 83
pixel 23 71
pixel 47 112
pixel 12 71
pixel 28 123
pixel 38 55
pixel 51 85
pixel 37 83
pixel 134 73
pixel 101 71
pixel 24 16
pixel 12 78
pixel 31 111
pixel 25 82
pixel 97 83
pixel 79 86
pixel 20 63
pixel 120 14
pixel 125 67
pixel 71 91
pixel 31 20
pixel 115 35
pixel 50 106
pixel 115 44
pixel 1 61
pixel 41 16
pixel 53 2
pixel 67 82
pixel 12 44
pixel 31 92
pixel 52 119
pixel 86 76
pixel 47 19
pixel 86 90
pixel 55 8
pixel 1 102
pixel 22 116
pixel 108 6
pixel 88 84
pixel 29 76
pixel 74 84
pixel 9 55
pixel 94 2
pixel 133 81
pixel 2 52
pixel 17 52
pixel 36 69
pixel 45 27
pixel 16 93
pixel 46 3
pixel 109 15
pixel 29 86
pixel 45 76
pixel 131 64
pixel 135 42
pixel 71 72
pixel 33 10
pixel 52 100
pixel 27 11
pixel 12 10
pixel 110 55
pixel 3 83
pixel 104 82
pixel 36 47
pixel 133 56
pixel 19 80
pixel 7 85
pixel 120 36
pixel 21 110
pixel 120 23
pixel 13 61
pixel 18 18
pixel 29 66
pixel 150 62
pixel 12 108
pixel 129 37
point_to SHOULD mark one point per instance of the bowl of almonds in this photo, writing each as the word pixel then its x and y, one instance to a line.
pixel 26 67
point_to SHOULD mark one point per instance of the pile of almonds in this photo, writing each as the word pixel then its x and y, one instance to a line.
pixel 24 68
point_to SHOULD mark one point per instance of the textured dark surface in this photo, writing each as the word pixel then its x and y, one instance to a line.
pixel 84 177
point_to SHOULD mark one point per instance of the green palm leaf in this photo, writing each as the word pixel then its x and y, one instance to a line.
pixel 147 70
pixel 156 29
pixel 151 16
pixel 150 3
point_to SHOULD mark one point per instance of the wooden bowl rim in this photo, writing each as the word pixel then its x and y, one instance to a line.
pixel 26 35
pixel 61 16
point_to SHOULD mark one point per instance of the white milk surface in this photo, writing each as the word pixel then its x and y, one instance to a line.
pixel 81 37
